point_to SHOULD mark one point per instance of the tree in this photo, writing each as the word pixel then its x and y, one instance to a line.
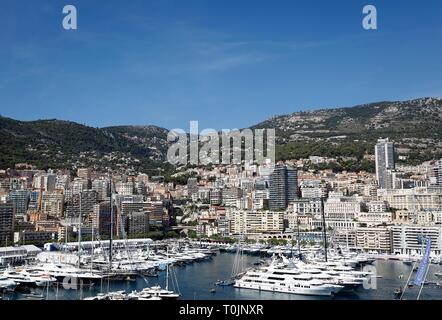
pixel 192 234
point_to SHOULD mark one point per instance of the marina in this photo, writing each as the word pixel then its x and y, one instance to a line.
pixel 197 271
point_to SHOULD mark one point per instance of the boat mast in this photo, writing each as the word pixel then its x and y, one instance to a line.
pixel 346 230
pixel 92 249
pixel 111 224
pixel 299 244
pixel 79 233
pixel 440 237
pixel 167 269
pixel 324 231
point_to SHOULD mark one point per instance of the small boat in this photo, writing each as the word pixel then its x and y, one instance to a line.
pixel 407 262
pixel 225 283
pixel 157 291
pixel 212 290
pixel 33 296
pixel 152 273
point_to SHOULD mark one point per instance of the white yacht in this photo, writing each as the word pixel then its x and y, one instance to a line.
pixel 31 278
pixel 7 284
pixel 286 281
pixel 115 295
pixel 157 291
pixel 62 271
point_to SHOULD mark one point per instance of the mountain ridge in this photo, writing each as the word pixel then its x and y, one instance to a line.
pixel 415 126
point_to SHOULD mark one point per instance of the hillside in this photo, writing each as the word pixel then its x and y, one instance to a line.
pixel 415 126
pixel 65 144
pixel 345 133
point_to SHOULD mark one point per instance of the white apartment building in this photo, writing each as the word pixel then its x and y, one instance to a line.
pixel 343 208
pixel 253 222
pixel 415 199
pixel 375 218
pixel 335 224
pixel 407 239
pixel 374 239
pixel 305 210
pixel 313 192
pixel 305 221
pixel 306 206
pixel 377 206
pixel 378 213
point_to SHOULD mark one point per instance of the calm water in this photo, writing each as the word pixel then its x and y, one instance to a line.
pixel 197 279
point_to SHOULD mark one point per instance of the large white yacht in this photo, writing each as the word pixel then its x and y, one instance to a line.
pixel 286 281
pixel 62 271
pixel 7 284
pixel 29 277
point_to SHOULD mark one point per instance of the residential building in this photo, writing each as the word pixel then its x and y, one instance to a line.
pixel 283 187
pixel 384 154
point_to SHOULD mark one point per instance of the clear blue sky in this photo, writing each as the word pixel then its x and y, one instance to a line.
pixel 226 63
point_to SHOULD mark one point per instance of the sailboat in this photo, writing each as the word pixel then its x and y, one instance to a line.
pixel 157 291
pixel 237 269
pixel 422 270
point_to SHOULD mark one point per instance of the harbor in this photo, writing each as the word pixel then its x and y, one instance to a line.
pixel 199 271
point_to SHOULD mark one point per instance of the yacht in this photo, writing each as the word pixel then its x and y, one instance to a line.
pixel 7 284
pixel 157 291
pixel 115 295
pixel 286 281
pixel 29 278
pixel 63 271
pixel 135 295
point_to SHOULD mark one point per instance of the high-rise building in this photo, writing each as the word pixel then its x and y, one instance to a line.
pixel 283 187
pixel 47 182
pixel 216 196
pixel 101 218
pixel 20 199
pixel 102 187
pixel 83 202
pixel 137 223
pixel 384 154
pixel 78 185
pixel 6 222
pixel 53 204
pixel 437 170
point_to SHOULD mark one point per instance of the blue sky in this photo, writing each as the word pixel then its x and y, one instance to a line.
pixel 225 63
